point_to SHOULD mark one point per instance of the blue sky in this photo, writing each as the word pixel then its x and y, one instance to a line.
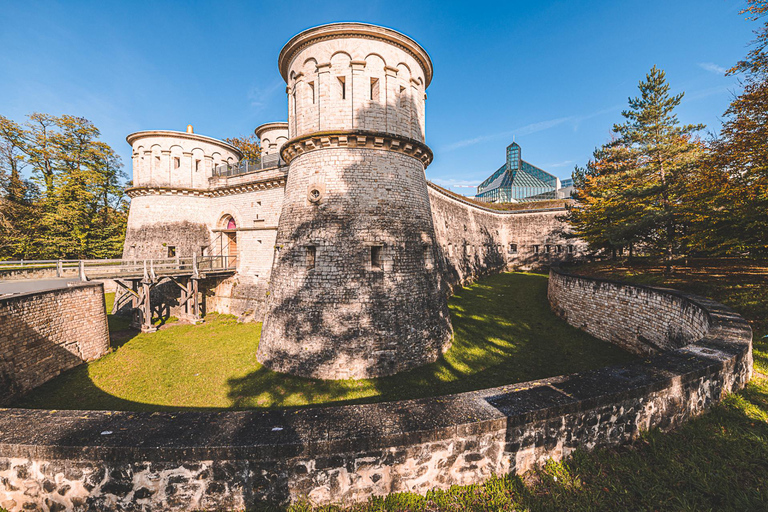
pixel 555 74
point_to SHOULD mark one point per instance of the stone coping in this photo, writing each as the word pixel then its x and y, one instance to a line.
pixel 65 287
pixel 444 193
pixel 259 131
pixel 356 139
pixel 324 431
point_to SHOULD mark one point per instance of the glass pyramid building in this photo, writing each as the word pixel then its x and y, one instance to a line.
pixel 517 181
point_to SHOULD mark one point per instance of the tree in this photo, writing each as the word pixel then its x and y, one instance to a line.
pixel 736 174
pixel 248 146
pixel 74 206
pixel 633 191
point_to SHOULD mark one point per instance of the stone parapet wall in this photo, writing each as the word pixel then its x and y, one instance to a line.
pixel 640 319
pixel 473 241
pixel 45 333
pixel 89 460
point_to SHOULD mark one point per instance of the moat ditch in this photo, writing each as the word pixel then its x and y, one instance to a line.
pixel 504 332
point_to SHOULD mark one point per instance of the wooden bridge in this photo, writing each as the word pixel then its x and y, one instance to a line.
pixel 136 279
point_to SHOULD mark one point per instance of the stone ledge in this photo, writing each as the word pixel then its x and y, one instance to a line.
pixel 356 139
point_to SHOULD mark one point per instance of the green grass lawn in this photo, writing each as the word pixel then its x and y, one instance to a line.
pixel 716 462
pixel 504 333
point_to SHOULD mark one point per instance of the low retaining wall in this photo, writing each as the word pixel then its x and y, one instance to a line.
pixel 640 319
pixel 237 459
pixel 45 333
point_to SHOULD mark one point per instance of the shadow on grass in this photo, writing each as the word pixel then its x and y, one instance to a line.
pixel 504 332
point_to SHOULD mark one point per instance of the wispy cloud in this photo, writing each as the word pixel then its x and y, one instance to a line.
pixel 531 128
pixel 705 93
pixel 523 130
pixel 712 68
pixel 259 96
pixel 564 163
pixel 454 183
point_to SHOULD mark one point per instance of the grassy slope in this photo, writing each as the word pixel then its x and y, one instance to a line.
pixel 716 462
pixel 504 333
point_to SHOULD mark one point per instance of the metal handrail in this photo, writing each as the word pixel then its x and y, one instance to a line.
pixel 246 166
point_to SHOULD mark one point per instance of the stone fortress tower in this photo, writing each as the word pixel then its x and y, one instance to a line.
pixel 272 136
pixel 171 172
pixel 355 288
pixel 338 241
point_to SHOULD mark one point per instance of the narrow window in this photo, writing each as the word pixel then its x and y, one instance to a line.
pixel 176 162
pixel 559 248
pixel 171 251
pixel 512 248
pixel 536 249
pixel 570 249
pixel 402 97
pixel 376 257
pixel 546 249
pixel 375 89
pixel 311 253
pixel 204 250
pixel 312 91
pixel 427 256
pixel 157 160
pixel 197 165
pixel 342 87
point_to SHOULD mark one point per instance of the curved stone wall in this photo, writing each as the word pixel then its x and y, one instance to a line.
pixel 45 333
pixel 237 459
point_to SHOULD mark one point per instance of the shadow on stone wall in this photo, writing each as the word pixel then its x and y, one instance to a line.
pixel 29 358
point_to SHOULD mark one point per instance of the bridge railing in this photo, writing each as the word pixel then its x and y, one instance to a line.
pixel 116 268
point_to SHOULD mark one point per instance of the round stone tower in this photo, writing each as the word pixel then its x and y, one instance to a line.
pixel 272 137
pixel 355 288
pixel 169 209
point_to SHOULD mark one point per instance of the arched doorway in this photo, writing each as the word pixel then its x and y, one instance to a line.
pixel 229 241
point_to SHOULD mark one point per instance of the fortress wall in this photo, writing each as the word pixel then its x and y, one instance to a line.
pixel 256 214
pixel 474 241
pixel 45 333
pixel 637 318
pixel 346 454
pixel 155 154
pixel 159 220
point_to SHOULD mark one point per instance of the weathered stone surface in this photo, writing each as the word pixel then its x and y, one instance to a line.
pixel 45 333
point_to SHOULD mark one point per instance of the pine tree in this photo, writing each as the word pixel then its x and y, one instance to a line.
pixel 633 191
pixel 736 183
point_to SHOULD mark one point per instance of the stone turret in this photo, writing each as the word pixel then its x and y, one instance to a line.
pixel 272 137
pixel 177 159
pixel 355 287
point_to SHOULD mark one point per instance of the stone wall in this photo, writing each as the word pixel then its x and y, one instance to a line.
pixel 45 333
pixel 355 291
pixel 473 240
pixel 637 318
pixel 94 460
